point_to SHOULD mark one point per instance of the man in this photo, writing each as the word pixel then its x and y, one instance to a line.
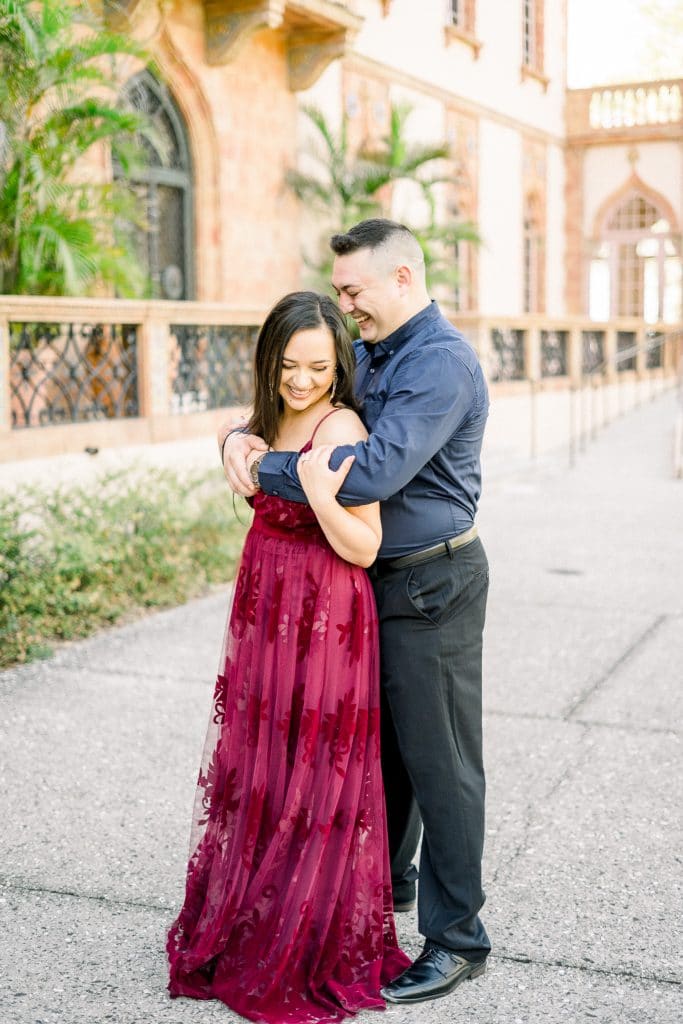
pixel 425 405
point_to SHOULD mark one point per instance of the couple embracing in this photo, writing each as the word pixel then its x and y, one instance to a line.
pixel 358 609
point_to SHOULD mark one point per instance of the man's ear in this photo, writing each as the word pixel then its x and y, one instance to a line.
pixel 404 277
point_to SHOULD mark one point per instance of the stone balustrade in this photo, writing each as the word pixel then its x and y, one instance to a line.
pixel 77 373
pixel 634 109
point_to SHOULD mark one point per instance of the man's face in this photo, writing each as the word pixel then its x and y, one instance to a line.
pixel 367 292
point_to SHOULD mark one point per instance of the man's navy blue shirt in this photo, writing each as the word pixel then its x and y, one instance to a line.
pixel 424 402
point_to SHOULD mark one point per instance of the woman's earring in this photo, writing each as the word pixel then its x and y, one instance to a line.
pixel 270 391
pixel 334 386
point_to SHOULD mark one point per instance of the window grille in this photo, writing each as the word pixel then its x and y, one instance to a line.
pixel 532 35
pixel 460 14
pixel 164 187
pixel 633 214
pixel 529 33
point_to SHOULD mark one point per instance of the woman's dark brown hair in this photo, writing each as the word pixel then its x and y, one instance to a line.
pixel 298 311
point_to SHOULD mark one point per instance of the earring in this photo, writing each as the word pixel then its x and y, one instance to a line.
pixel 270 391
pixel 334 386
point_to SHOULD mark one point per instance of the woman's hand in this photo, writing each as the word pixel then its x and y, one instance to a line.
pixel 320 483
pixel 235 461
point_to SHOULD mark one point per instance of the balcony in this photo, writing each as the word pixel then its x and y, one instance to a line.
pixel 626 113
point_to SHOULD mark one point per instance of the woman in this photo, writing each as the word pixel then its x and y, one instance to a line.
pixel 287 913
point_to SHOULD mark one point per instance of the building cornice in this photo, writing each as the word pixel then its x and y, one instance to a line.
pixel 366 65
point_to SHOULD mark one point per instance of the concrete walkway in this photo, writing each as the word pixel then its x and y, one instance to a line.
pixel 584 663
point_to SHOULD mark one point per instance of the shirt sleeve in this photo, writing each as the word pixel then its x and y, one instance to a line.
pixel 431 394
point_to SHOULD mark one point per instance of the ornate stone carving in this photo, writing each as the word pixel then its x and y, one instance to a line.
pixel 316 32
pixel 230 23
pixel 309 53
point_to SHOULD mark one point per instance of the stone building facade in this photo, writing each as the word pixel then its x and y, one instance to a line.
pixel 577 196
pixel 530 168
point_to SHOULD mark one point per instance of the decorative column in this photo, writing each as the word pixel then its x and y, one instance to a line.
pixel 532 353
pixel 5 392
pixel 153 368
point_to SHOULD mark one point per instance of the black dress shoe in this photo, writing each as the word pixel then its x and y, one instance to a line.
pixel 435 973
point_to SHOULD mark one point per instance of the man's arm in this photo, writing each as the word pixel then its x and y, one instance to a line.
pixel 431 393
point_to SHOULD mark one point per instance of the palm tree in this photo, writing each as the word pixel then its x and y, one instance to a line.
pixel 59 232
pixel 338 192
pixel 344 188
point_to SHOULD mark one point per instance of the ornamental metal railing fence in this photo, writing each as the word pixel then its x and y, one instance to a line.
pixel 75 373
pixel 601 370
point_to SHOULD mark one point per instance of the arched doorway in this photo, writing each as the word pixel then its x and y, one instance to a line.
pixel 636 267
pixel 165 245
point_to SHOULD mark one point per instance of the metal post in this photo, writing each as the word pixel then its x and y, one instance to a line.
pixel 572 424
pixel 533 417
pixel 582 411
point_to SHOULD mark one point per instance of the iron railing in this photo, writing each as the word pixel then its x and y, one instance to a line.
pixel 76 373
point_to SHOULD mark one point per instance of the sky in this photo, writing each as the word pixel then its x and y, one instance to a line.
pixel 615 41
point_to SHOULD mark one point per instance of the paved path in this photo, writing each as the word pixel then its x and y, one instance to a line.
pixel 100 748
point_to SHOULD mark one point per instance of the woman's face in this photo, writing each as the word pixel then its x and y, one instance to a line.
pixel 308 365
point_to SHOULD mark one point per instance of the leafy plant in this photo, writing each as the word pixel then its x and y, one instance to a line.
pixel 344 187
pixel 77 558
pixel 60 231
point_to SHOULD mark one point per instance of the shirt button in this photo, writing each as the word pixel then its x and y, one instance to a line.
pixel 372 371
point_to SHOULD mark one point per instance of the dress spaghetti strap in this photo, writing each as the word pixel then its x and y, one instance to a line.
pixel 320 423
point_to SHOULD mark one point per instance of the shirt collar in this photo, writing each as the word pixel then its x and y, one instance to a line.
pixel 407 330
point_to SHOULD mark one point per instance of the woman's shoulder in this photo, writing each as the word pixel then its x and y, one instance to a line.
pixel 343 427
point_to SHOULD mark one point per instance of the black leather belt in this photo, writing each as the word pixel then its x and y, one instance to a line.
pixel 442 548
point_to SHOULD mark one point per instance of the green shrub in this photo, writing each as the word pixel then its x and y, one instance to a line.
pixel 77 558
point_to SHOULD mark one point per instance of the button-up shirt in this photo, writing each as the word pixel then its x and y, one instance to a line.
pixel 424 403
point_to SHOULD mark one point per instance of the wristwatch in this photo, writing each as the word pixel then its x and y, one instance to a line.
pixel 253 469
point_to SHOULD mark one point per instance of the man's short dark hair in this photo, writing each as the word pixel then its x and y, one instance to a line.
pixel 369 234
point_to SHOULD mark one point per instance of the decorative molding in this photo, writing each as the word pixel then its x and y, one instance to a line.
pixel 309 53
pixel 453 33
pixel 316 32
pixel 632 187
pixel 230 24
pixel 534 75
pixel 367 65
pixel 201 129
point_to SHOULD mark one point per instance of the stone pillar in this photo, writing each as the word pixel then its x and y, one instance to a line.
pixel 5 394
pixel 610 354
pixel 575 355
pixel 532 353
pixel 153 368
pixel 641 354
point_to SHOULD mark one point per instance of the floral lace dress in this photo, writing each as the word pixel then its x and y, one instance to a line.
pixel 287 914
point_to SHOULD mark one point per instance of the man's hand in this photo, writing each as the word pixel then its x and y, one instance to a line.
pixel 238 448
pixel 320 483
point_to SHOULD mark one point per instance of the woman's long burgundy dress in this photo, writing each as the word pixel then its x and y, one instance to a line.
pixel 287 914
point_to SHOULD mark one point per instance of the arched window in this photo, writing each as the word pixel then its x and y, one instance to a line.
pixel 636 268
pixel 165 245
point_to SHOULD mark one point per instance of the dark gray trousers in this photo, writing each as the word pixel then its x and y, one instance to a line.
pixel 431 621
